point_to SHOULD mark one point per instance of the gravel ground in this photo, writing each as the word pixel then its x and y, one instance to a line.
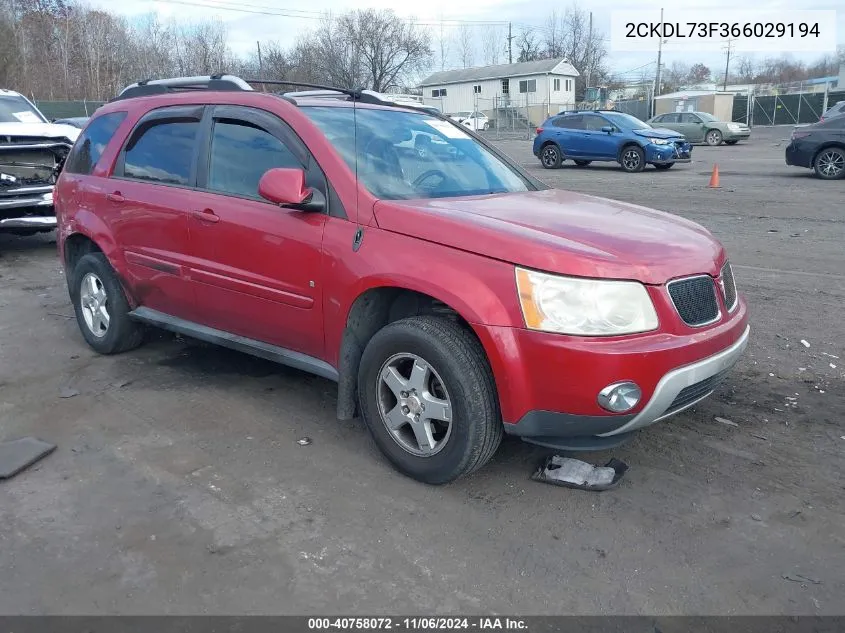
pixel 179 487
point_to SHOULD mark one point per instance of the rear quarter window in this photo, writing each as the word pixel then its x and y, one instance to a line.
pixel 92 142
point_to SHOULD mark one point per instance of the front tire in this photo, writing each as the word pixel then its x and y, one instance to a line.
pixel 633 159
pixel 829 163
pixel 427 395
pixel 713 138
pixel 550 156
pixel 102 311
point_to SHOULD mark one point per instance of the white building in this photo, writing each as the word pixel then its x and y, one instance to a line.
pixel 542 85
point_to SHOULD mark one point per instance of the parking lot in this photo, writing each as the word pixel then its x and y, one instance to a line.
pixel 179 486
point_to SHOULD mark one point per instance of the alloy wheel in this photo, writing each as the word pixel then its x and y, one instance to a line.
pixel 414 404
pixel 631 160
pixel 94 302
pixel 831 163
pixel 550 156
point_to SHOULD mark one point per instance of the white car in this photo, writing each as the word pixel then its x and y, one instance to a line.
pixel 32 151
pixel 473 120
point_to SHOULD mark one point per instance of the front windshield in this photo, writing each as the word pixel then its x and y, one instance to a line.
pixel 407 155
pixel 14 109
pixel 626 121
pixel 706 116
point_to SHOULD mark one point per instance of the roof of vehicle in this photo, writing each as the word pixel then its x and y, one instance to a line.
pixel 232 89
pixel 9 93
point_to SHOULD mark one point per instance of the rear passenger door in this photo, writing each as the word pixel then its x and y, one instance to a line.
pixel 256 265
pixel 146 205
pixel 691 126
pixel 567 135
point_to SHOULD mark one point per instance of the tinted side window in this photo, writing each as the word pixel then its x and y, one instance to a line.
pixel 163 152
pixel 687 117
pixel 670 118
pixel 91 143
pixel 594 123
pixel 240 154
pixel 572 122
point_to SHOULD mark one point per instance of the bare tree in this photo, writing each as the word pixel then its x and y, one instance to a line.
pixel 553 37
pixel 465 43
pixel 493 39
pixel 390 47
pixel 528 45
pixel 442 44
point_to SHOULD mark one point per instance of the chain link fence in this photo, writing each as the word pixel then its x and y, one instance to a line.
pixel 67 109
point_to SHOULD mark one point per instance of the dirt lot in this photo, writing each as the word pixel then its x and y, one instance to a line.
pixel 178 485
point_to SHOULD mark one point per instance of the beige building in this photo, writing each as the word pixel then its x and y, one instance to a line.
pixel 719 104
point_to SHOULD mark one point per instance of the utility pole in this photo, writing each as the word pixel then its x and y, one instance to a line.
pixel 727 65
pixel 589 52
pixel 510 46
pixel 659 57
pixel 260 66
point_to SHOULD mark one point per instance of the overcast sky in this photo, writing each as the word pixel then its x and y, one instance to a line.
pixel 248 21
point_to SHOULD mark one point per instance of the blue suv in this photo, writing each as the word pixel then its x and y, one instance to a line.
pixel 611 136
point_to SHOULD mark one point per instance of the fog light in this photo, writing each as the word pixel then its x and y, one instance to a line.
pixel 620 397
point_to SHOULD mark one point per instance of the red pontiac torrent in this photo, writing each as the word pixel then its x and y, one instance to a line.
pixel 451 296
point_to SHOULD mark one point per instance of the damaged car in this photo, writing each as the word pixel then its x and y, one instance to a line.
pixel 32 153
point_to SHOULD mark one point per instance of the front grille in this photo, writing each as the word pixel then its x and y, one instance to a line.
pixel 694 392
pixel 695 299
pixel 729 286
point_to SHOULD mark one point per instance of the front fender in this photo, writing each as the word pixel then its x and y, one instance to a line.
pixel 481 290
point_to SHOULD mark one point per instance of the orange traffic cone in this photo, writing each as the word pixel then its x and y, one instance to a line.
pixel 714 178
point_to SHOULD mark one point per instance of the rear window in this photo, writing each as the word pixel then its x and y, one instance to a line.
pixel 92 142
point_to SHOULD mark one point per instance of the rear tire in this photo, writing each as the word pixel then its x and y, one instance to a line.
pixel 437 363
pixel 632 159
pixel 102 311
pixel 550 156
pixel 829 163
pixel 583 163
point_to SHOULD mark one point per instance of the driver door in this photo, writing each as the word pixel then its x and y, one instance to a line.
pixel 256 266
pixel 692 127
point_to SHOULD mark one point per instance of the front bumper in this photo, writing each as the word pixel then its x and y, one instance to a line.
pixel 736 136
pixel 548 383
pixel 27 208
pixel 685 386
pixel 668 154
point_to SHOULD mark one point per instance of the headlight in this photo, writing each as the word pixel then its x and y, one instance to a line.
pixel 733 127
pixel 660 141
pixel 584 307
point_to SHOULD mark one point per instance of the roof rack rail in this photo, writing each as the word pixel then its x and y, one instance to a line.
pixel 176 84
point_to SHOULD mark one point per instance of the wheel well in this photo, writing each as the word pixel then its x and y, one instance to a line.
pixel 75 248
pixel 827 145
pixel 370 312
pixel 626 146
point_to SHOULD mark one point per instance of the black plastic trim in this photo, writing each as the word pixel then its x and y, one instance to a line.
pixel 274 353
pixel 545 424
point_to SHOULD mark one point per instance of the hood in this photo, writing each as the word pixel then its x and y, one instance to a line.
pixel 659 132
pixel 45 130
pixel 561 232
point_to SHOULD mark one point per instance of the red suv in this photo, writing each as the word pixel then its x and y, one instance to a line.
pixel 451 296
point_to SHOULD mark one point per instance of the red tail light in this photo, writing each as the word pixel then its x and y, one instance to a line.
pixel 539 130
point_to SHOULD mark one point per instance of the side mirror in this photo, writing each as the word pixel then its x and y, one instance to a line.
pixel 286 187
pixel 608 129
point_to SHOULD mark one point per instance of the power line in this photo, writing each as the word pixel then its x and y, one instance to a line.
pixel 257 9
